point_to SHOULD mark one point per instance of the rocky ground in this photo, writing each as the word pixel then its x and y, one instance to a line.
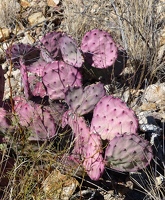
pixel 27 21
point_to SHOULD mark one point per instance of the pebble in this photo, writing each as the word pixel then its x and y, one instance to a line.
pixel 24 3
pixel 155 93
pixel 4 34
pixel 36 18
pixel 53 3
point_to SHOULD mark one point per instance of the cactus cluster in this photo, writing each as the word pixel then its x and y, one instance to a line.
pixel 54 70
pixel 114 122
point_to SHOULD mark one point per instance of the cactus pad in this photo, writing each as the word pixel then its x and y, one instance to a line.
pixel 26 52
pixel 25 81
pixel 99 48
pixel 128 152
pixel 82 101
pixel 58 77
pixel 93 159
pixel 71 54
pixel 111 117
pixel 36 118
pixel 36 86
pixel 50 46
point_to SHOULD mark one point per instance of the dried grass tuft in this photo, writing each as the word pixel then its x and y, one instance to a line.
pixel 135 25
pixel 8 12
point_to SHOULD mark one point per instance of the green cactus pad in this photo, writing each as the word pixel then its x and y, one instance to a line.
pixel 70 52
pixel 82 101
pixel 128 153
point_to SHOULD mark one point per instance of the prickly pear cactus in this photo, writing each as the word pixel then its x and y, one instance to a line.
pixel 79 128
pixel 128 153
pixel 82 101
pixel 43 126
pixel 36 86
pixel 87 147
pixel 99 48
pixel 111 117
pixel 24 110
pixel 36 118
pixel 70 52
pixel 38 67
pixel 26 52
pixel 59 46
pixel 50 46
pixel 59 77
pixel 93 159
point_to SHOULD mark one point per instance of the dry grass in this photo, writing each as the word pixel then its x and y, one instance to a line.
pixel 9 10
pixel 135 25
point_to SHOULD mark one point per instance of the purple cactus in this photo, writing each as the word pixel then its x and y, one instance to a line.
pixel 27 53
pixel 82 101
pixel 43 126
pixel 87 147
pixel 36 118
pixel 25 81
pixel 128 152
pixel 21 56
pixel 59 46
pixel 24 110
pixel 111 117
pixel 38 67
pixel 79 128
pixel 93 159
pixel 99 48
pixel 36 86
pixel 57 110
pixel 70 52
pixel 59 77
pixel 50 50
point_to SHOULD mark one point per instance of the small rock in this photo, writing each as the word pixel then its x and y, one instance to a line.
pixel 155 93
pixel 4 34
pixel 59 186
pixel 53 3
pixel 148 106
pixel 147 122
pixel 24 3
pixel 36 18
pixel 27 39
